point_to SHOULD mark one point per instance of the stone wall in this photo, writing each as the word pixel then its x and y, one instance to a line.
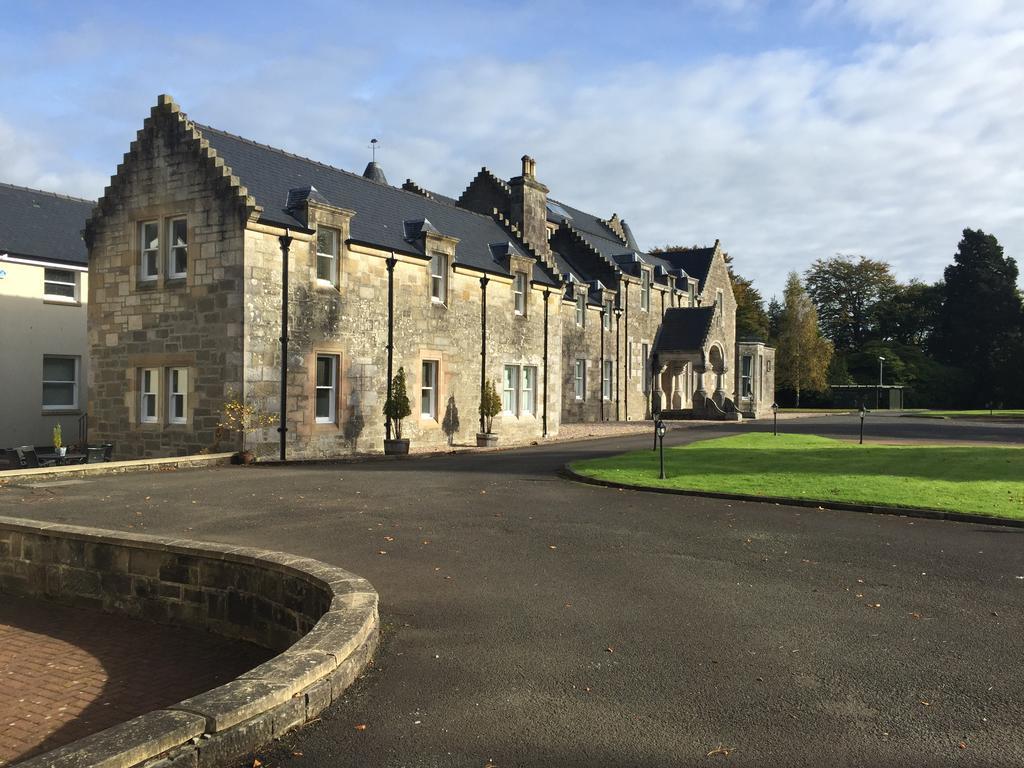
pixel 350 322
pixel 193 322
pixel 322 620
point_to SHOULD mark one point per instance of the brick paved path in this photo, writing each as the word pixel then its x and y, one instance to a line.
pixel 66 673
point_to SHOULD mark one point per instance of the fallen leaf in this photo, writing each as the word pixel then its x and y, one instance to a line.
pixel 361 727
pixel 962 745
pixel 552 546
pixel 389 538
pixel 381 552
pixel 720 750
pixel 610 649
pixel 256 763
pixel 925 703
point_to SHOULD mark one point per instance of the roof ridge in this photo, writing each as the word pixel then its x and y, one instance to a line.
pixel 360 177
pixel 58 195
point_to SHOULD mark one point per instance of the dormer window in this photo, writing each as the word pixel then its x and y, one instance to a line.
pixel 645 290
pixel 519 292
pixel 581 311
pixel 692 293
pixel 327 255
pixel 439 278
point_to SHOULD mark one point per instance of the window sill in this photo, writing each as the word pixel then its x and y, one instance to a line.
pixel 175 282
pixel 436 302
pixel 65 302
pixel 147 284
pixel 326 285
pixel 61 412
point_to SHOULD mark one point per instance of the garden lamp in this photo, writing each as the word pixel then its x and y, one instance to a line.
pixel 863 413
pixel 660 429
pixel 775 412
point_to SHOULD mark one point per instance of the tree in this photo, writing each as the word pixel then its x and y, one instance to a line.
pixel 910 314
pixel 397 406
pixel 803 356
pixel 490 405
pixel 751 319
pixel 774 320
pixel 981 323
pixel 846 293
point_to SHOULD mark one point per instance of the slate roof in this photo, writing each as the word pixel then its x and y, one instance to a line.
pixel 684 329
pixel 43 225
pixel 696 262
pixel 381 210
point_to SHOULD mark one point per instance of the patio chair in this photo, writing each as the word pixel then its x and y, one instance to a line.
pixel 108 451
pixel 12 458
pixel 95 455
pixel 29 459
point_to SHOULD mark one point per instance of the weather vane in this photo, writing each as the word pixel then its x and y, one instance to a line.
pixel 373 147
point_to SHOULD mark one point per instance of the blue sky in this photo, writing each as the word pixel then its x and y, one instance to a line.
pixel 791 131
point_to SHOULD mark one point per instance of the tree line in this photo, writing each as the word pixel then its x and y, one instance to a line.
pixel 956 343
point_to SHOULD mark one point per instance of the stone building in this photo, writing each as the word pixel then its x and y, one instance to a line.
pixel 559 308
pixel 44 282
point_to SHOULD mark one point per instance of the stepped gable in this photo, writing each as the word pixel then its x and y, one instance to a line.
pixel 380 210
pixel 43 225
pixel 166 115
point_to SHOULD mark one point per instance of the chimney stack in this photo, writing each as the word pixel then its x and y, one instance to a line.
pixel 529 210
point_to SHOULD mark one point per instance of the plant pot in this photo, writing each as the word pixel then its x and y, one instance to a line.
pixel 486 439
pixel 243 457
pixel 62 451
pixel 396 447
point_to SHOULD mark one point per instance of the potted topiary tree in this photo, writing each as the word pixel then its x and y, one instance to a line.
pixel 397 407
pixel 490 406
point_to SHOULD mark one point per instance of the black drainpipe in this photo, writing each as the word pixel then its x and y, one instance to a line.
pixel 391 335
pixel 282 426
pixel 625 367
pixel 546 294
pixel 483 344
pixel 602 359
pixel 618 357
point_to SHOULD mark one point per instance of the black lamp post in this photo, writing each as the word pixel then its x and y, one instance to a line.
pixel 282 427
pixel 878 392
pixel 660 430
pixel 775 413
pixel 863 413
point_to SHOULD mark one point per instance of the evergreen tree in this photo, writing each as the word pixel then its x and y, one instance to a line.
pixel 981 323
pixel 803 356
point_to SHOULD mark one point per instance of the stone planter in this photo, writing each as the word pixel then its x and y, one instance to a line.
pixel 486 439
pixel 396 447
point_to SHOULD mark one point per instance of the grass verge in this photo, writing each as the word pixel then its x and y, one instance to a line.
pixel 981 414
pixel 986 480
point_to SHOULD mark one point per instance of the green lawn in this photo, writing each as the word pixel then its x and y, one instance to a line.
pixel 986 480
pixel 983 414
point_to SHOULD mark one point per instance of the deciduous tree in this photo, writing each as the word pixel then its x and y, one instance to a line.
pixel 803 355
pixel 846 291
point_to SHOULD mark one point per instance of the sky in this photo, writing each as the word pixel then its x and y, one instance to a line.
pixel 791 131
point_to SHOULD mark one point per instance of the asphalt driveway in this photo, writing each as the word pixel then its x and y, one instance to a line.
pixel 531 621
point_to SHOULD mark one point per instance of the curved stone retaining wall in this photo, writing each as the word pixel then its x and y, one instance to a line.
pixel 322 620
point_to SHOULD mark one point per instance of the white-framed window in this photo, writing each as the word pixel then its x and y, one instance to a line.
pixel 149 384
pixel 606 380
pixel 439 278
pixel 428 389
pixel 149 248
pixel 326 389
pixel 327 255
pixel 510 390
pixel 519 292
pixel 581 311
pixel 177 247
pixel 60 382
pixel 177 395
pixel 528 395
pixel 607 319
pixel 645 290
pixel 579 379
pixel 746 376
pixel 60 284
pixel 691 293
pixel 645 357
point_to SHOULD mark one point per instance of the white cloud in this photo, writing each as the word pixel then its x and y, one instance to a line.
pixel 786 155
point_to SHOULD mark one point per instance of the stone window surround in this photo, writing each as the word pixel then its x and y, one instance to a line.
pixel 181 392
pixel 440 394
pixel 441 275
pixel 162 363
pixel 581 307
pixel 332 279
pixel 519 412
pixel 442 245
pixel 172 274
pixel 163 215
pixel 579 377
pixel 340 387
pixel 433 409
pixel 521 266
pixel 338 219
pixel 646 280
pixel 607 380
